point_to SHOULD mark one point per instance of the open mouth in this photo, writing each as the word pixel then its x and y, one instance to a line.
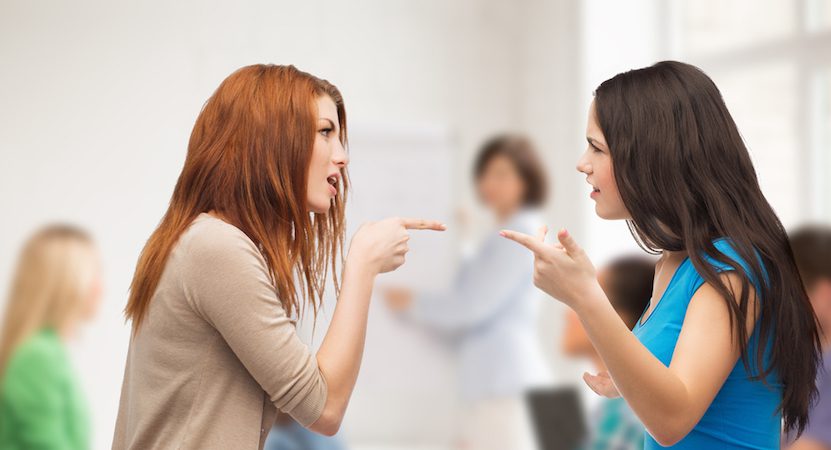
pixel 333 184
pixel 594 191
pixel 594 188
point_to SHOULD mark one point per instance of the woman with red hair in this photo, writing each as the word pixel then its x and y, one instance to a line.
pixel 260 200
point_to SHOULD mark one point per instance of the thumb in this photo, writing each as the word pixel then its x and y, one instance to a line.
pixel 589 379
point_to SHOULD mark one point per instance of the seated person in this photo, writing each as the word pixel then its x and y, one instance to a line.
pixel 627 282
pixel 812 250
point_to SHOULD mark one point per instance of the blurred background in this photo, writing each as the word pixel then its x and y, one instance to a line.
pixel 97 101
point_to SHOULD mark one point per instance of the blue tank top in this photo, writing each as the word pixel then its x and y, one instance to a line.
pixel 743 415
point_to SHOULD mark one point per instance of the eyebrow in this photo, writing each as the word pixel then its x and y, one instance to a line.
pixel 331 123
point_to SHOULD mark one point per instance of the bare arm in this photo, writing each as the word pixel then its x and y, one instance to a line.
pixel 377 247
pixel 340 354
pixel 668 400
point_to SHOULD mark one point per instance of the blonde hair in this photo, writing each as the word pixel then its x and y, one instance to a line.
pixel 51 286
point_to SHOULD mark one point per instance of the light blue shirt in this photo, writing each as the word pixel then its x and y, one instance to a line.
pixel 743 415
pixel 491 313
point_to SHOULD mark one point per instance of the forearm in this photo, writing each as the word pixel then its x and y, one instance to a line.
pixel 340 353
pixel 656 394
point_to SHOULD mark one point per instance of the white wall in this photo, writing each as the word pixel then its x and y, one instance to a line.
pixel 617 36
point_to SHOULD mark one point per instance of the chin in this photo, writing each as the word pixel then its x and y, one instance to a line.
pixel 611 215
pixel 601 213
pixel 320 206
pixel 320 210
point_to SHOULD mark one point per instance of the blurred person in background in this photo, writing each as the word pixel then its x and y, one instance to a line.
pixel 56 288
pixel 214 351
pixel 812 250
pixel 729 347
pixel 491 309
pixel 627 282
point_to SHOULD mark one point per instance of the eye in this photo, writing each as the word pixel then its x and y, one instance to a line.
pixel 325 132
pixel 595 149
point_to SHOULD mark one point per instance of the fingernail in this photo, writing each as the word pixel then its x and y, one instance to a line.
pixel 503 233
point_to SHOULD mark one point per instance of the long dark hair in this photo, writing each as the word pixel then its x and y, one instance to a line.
pixel 686 178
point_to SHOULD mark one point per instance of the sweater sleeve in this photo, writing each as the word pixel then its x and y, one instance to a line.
pixel 226 282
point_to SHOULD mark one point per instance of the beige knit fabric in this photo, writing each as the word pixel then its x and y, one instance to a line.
pixel 216 352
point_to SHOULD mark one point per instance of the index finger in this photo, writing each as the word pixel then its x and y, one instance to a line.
pixel 529 242
pixel 423 224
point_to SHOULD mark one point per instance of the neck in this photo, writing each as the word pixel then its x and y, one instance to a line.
pixel 504 214
pixel 671 255
pixel 68 331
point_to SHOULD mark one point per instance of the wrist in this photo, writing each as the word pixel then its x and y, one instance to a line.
pixel 357 264
pixel 592 298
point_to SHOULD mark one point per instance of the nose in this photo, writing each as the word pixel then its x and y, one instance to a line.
pixel 339 155
pixel 583 164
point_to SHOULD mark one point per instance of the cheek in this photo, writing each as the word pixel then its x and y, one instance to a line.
pixel 605 175
pixel 507 187
pixel 320 151
pixel 96 294
pixel 607 180
pixel 486 188
pixel 517 188
pixel 317 166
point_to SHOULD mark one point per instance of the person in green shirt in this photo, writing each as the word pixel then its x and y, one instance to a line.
pixel 57 287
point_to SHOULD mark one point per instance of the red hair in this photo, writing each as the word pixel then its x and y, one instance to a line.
pixel 248 160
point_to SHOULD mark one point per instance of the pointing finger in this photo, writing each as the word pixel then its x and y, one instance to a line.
pixel 523 239
pixel 422 224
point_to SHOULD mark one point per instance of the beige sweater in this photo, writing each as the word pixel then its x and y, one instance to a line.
pixel 216 352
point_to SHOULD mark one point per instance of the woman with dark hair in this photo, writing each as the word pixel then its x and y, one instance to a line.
pixel 260 202
pixel 728 347
pixel 490 311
